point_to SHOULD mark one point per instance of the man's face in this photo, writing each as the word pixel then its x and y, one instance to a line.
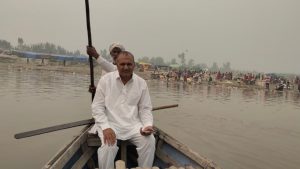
pixel 114 52
pixel 125 65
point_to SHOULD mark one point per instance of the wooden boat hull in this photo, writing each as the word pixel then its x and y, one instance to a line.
pixel 81 152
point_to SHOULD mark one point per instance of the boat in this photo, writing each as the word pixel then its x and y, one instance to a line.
pixel 81 152
pixel 279 87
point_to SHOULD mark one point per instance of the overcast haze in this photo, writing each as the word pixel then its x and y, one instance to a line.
pixel 262 35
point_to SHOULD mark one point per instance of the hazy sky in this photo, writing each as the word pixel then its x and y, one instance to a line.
pixel 262 35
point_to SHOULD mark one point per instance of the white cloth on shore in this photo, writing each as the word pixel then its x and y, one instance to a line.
pixel 124 108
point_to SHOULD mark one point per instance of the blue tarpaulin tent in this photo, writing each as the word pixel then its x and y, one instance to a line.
pixel 35 55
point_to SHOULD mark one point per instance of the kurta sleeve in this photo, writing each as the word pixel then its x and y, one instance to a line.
pixel 145 108
pixel 106 65
pixel 98 106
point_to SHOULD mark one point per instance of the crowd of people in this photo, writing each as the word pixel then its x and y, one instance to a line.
pixel 264 80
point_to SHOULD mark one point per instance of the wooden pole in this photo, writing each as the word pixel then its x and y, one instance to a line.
pixel 88 25
pixel 70 125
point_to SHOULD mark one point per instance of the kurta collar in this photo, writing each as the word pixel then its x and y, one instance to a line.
pixel 117 76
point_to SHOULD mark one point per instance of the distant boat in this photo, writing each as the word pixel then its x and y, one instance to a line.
pixel 81 152
pixel 279 87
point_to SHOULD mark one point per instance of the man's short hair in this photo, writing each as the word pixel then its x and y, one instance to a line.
pixel 126 53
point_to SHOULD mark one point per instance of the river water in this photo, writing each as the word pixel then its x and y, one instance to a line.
pixel 236 128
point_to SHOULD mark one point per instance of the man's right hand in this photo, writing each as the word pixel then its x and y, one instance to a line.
pixel 109 137
pixel 92 89
pixel 91 51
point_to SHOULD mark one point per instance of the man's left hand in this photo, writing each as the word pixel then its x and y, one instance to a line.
pixel 146 131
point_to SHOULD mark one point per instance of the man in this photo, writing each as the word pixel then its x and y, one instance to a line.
pixel 114 49
pixel 122 110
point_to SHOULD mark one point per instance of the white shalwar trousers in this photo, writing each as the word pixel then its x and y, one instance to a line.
pixel 145 146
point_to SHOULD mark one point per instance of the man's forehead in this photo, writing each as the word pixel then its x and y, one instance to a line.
pixel 125 56
pixel 116 48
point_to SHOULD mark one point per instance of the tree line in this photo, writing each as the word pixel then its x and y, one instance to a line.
pixel 45 47
pixel 182 62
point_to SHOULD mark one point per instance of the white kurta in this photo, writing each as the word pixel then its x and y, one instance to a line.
pixel 124 108
pixel 106 67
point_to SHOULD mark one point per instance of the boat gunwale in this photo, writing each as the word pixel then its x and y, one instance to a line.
pixel 78 139
pixel 57 159
pixel 201 160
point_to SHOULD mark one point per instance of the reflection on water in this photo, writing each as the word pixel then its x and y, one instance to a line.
pixel 237 128
pixel 223 94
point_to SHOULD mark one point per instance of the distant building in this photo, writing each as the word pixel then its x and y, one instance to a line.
pixel 144 66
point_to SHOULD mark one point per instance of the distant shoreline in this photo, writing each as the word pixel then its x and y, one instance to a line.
pixel 37 64
pixel 17 63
